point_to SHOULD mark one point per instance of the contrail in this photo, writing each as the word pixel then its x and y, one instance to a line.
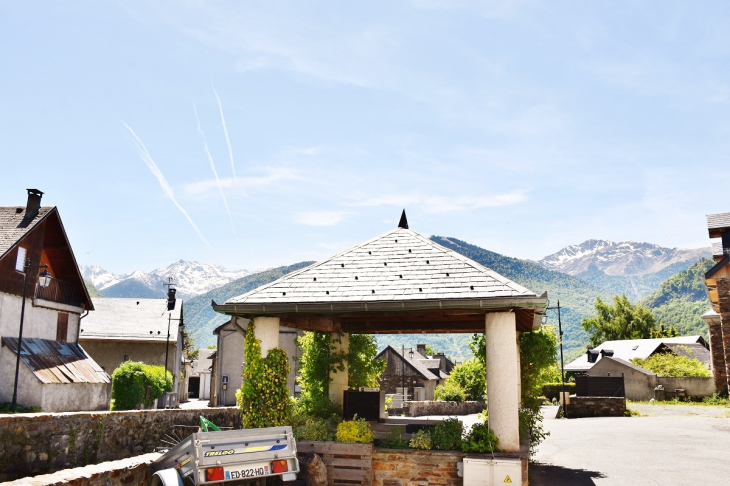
pixel 147 159
pixel 225 130
pixel 212 166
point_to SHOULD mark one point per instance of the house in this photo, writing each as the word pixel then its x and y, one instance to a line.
pixel 628 349
pixel 413 371
pixel 200 371
pixel 639 383
pixel 229 360
pixel 122 330
pixel 53 371
pixel 717 283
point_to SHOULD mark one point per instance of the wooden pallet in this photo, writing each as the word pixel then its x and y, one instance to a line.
pixel 347 464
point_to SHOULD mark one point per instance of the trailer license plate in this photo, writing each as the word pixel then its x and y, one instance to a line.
pixel 249 471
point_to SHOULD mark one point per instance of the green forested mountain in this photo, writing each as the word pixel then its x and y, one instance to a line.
pixel 681 300
pixel 201 320
pixel 93 292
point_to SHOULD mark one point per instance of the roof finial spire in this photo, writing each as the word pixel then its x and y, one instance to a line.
pixel 403 223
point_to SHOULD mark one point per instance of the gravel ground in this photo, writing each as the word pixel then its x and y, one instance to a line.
pixel 660 410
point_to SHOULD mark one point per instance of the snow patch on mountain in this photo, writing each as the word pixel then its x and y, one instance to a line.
pixel 623 258
pixel 191 278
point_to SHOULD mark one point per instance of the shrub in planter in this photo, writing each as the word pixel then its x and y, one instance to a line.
pixel 355 430
pixel 314 429
pixel 421 440
pixel 446 436
pixel 394 439
pixel 450 392
pixel 480 439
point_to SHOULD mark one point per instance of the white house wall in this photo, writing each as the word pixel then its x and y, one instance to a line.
pixel 38 322
pixel 65 397
pixel 29 387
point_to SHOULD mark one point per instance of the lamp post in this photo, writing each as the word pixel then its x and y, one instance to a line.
pixel 410 355
pixel 562 366
pixel 44 279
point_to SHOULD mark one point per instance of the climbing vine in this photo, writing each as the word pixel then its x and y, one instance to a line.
pixel 264 397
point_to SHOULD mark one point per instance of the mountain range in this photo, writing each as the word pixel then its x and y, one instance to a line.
pixel 667 280
pixel 191 278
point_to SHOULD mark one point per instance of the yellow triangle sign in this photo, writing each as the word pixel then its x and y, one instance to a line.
pixel 507 480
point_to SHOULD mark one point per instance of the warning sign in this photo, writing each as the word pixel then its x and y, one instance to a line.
pixel 507 480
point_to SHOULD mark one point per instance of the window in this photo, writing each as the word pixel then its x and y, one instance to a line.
pixel 20 261
pixel 62 327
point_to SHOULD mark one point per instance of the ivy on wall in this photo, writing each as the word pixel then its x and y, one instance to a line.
pixel 264 397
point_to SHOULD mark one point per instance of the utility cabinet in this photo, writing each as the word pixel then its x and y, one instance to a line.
pixel 492 472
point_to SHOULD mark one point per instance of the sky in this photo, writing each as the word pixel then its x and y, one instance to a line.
pixel 255 134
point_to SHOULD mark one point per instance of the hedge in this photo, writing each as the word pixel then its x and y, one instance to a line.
pixel 131 381
pixel 552 390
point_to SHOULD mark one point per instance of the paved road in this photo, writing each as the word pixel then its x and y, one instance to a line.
pixel 627 451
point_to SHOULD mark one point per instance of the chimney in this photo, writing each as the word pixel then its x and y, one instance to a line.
pixel 171 298
pixel 34 202
pixel 421 348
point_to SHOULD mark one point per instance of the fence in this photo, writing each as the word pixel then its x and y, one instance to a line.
pixel 347 464
pixel 599 386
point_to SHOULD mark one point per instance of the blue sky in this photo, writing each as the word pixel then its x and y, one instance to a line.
pixel 521 126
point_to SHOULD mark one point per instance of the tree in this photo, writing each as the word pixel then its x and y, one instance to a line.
pixel 363 370
pixel 189 348
pixel 471 377
pixel 623 320
pixel 429 350
pixel 663 333
pixel 669 364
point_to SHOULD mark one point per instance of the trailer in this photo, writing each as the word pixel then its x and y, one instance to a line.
pixel 228 457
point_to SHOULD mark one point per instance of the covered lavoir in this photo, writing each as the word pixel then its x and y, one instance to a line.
pixel 402 282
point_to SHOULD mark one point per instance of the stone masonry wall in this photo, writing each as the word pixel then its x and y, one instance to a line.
pixel 723 297
pixel 398 467
pixel 39 443
pixel 596 407
pixel 717 353
pixel 134 471
pixel 418 409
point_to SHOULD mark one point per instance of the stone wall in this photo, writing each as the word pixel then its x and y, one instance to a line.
pixel 419 409
pixel 405 467
pixel 596 407
pixel 127 472
pixel 38 443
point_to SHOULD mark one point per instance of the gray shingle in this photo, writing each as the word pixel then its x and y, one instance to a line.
pixel 366 261
pixel 14 225
pixel 719 220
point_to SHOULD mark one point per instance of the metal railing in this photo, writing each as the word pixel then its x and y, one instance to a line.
pixel 60 292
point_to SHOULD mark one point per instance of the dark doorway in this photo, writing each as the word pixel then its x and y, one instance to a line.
pixel 194 387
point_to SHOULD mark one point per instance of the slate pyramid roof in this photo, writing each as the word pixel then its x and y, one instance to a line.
pixel 399 265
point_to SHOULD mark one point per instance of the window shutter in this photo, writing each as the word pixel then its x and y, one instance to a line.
pixel 62 327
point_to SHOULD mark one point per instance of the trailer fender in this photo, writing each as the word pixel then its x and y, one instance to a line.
pixel 166 477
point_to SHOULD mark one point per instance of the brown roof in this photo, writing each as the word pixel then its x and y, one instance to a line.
pixel 56 362
pixel 692 351
pixel 14 225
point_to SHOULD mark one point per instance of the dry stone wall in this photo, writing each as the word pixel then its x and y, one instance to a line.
pixel 579 407
pixel 419 409
pixel 39 443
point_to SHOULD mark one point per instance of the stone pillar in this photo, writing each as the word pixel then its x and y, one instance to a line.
pixel 723 297
pixel 267 331
pixel 717 352
pixel 503 379
pixel 338 379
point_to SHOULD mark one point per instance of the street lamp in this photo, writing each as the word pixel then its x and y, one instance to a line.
pixel 44 279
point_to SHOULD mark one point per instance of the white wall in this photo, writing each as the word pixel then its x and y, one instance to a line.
pixel 39 322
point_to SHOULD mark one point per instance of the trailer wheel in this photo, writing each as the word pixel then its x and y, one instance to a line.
pixel 166 477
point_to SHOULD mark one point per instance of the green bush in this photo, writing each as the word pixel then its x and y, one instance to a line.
pixel 669 364
pixel 131 381
pixel 480 439
pixel 471 377
pixel 6 406
pixel 314 429
pixel 264 396
pixel 446 436
pixel 421 440
pixel 716 399
pixel 355 430
pixel 394 439
pixel 450 392
pixel 552 390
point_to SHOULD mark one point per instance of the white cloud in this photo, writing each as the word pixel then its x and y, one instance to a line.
pixel 241 183
pixel 445 204
pixel 320 218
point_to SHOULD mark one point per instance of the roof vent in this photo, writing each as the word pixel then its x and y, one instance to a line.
pixel 403 223
pixel 328 292
pixel 606 352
